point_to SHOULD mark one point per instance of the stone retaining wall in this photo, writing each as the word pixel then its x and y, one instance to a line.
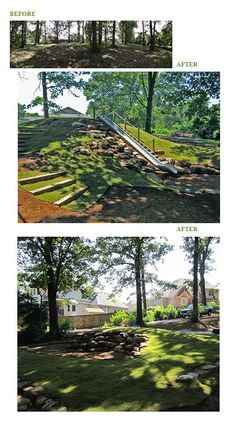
pixel 118 341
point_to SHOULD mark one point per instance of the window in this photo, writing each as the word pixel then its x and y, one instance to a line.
pixel 183 301
pixel 211 293
pixel 73 308
pixel 68 307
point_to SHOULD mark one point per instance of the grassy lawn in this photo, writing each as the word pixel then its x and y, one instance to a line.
pixel 191 153
pixel 147 383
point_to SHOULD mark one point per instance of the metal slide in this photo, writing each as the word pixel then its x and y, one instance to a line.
pixel 131 141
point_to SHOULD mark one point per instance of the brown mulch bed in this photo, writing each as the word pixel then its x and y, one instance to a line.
pixel 195 182
pixel 31 209
pixel 127 204
pixel 64 350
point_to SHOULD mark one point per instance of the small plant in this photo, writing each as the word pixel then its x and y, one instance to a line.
pixel 121 318
pixel 64 326
pixel 150 317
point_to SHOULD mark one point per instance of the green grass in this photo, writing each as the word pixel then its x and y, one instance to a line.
pixel 96 172
pixel 43 132
pixel 191 153
pixel 147 383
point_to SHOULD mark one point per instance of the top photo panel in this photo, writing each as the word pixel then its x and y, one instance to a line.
pixel 91 44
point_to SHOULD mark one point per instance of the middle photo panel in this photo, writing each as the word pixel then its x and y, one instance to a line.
pixel 122 147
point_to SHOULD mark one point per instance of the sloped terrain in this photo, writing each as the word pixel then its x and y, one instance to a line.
pixel 96 162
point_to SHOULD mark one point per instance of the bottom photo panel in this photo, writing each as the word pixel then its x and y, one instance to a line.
pixel 118 324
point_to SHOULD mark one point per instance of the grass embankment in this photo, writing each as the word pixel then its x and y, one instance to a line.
pixel 183 152
pixel 95 171
pixel 147 383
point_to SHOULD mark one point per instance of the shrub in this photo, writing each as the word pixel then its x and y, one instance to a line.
pixel 215 305
pixel 121 318
pixel 64 326
pixel 150 316
pixel 166 313
pixel 32 320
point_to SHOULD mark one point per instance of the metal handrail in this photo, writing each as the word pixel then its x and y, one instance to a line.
pixel 137 146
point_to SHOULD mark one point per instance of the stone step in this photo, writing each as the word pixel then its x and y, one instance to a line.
pixel 52 187
pixel 70 197
pixel 42 177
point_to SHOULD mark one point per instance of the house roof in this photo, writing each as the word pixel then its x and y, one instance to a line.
pixel 103 299
pixel 174 291
pixel 208 285
pixel 68 110
pixel 93 310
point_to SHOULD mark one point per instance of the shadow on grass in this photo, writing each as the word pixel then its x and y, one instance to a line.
pixel 143 384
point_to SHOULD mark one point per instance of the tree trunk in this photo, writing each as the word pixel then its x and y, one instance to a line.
pixel 151 85
pixel 53 316
pixel 78 30
pixel 99 32
pixel 126 32
pixel 202 282
pixel 152 26
pixel 105 34
pixel 23 33
pixel 114 33
pixel 94 36
pixel 82 31
pixel 195 315
pixel 52 289
pixel 45 95
pixel 143 28
pixel 139 315
pixel 37 33
pixel 45 32
pixel 144 297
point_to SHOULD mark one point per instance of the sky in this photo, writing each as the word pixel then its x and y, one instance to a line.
pixel 28 88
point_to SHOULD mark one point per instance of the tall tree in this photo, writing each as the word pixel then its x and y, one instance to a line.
pixel 45 95
pixel 100 28
pixel 95 48
pixel 57 264
pixel 143 33
pixel 205 260
pixel 122 259
pixel 38 30
pixel 152 28
pixel 195 316
pixel 54 84
pixel 150 93
pixel 78 30
pixel 23 33
pixel 113 33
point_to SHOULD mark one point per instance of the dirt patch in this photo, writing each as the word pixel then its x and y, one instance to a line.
pixel 195 182
pixel 76 55
pixel 206 323
pixel 129 205
pixel 64 350
pixel 126 204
